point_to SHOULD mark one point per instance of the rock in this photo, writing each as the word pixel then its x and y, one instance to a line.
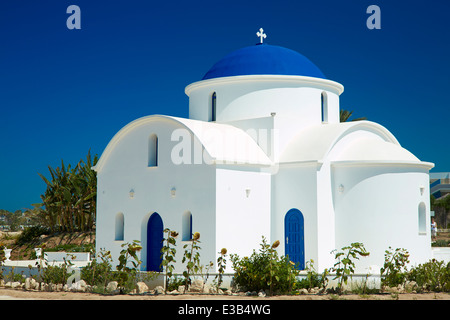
pixel 159 290
pixel 112 286
pixel 410 286
pixel 196 286
pixel 141 287
pixel 28 283
pixel 79 286
pixel 207 289
pixel 303 291
pixel 261 293
pixel 181 289
pixel 174 292
pixel 2 283
pixel 16 285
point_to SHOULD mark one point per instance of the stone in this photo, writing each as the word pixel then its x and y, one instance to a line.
pixel 303 291
pixel 79 286
pixel 159 290
pixel 141 287
pixel 16 285
pixel 181 289
pixel 112 286
pixel 207 289
pixel 196 286
pixel 261 293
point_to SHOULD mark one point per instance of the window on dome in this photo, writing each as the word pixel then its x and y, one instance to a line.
pixel 153 151
pixel 324 106
pixel 213 106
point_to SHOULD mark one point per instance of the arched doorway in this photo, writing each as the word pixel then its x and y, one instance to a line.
pixel 295 237
pixel 154 242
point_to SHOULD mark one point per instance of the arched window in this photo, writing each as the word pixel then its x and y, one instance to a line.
pixel 422 218
pixel 119 227
pixel 324 106
pixel 153 151
pixel 186 226
pixel 213 106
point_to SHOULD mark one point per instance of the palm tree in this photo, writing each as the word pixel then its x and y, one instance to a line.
pixel 69 201
pixel 344 116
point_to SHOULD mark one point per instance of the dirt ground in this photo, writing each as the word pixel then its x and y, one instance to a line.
pixel 7 294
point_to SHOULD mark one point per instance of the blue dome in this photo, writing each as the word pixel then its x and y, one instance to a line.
pixel 264 59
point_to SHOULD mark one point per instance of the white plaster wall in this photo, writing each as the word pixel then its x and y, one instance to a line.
pixel 242 217
pixel 294 186
pixel 379 207
pixel 326 218
pixel 246 97
pixel 126 168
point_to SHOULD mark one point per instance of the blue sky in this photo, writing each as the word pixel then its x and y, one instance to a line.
pixel 63 92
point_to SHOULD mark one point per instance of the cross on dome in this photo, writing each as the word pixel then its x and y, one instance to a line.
pixel 261 34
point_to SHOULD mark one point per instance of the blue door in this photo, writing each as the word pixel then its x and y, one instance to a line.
pixel 294 237
pixel 154 242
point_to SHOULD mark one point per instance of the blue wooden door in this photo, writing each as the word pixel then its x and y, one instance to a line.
pixel 294 237
pixel 154 242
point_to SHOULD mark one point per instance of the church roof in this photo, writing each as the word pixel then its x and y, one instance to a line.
pixel 355 141
pixel 264 59
pixel 224 144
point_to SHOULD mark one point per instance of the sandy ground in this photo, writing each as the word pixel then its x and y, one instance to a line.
pixel 13 294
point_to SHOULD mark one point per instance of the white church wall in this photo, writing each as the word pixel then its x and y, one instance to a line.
pixel 242 210
pixel 326 219
pixel 168 189
pixel 378 205
pixel 294 187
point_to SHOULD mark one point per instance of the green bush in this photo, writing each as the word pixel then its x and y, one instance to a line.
pixel 433 276
pixel 31 235
pixel 313 279
pixel 394 271
pixel 264 270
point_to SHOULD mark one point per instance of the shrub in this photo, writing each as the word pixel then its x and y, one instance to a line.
pixel 31 235
pixel 345 267
pixel 394 272
pixel 264 270
pixel 433 275
pixel 313 279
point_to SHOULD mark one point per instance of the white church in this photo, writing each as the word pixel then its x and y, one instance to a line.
pixel 263 153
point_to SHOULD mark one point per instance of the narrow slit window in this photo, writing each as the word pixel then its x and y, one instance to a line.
pixel 187 226
pixel 213 106
pixel 422 218
pixel 119 232
pixel 324 106
pixel 153 151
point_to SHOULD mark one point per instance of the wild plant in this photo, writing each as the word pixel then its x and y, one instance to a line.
pixel 433 275
pixel 345 266
pixel 393 272
pixel 313 279
pixel 168 252
pixel 192 256
pixel 99 273
pixel 129 250
pixel 221 266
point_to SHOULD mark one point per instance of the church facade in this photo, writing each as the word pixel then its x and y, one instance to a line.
pixel 263 153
